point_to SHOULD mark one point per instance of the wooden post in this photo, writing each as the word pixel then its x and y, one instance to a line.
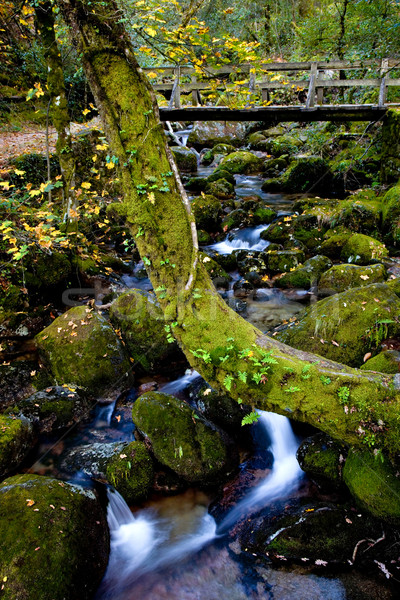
pixel 175 99
pixel 383 86
pixel 320 96
pixel 310 102
pixel 252 86
pixel 196 98
pixel 265 95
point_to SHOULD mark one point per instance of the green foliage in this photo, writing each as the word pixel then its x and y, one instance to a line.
pixel 343 394
pixel 250 418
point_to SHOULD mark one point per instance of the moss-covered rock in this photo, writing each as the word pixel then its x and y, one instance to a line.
pixel 278 232
pixel 262 215
pixel 361 249
pixel 16 441
pixel 217 273
pixel 222 410
pixel 54 540
pixel 390 161
pixel 236 218
pixel 342 277
pixel 140 319
pixel 322 457
pixel 305 174
pixel 384 362
pixel 131 472
pixel 282 145
pixel 242 162
pixel 221 188
pixel 207 212
pixel 391 215
pixel 375 484
pixel 183 440
pixel 359 214
pixel 281 261
pixel 356 321
pixel 221 173
pixel 185 159
pixel 82 348
pixel 46 270
pixel 307 275
pixel 274 166
pixel 55 408
pixel 333 244
pixel 212 133
pixel 257 141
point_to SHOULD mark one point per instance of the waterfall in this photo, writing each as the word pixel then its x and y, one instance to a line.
pixel 174 387
pixel 244 239
pixel 285 473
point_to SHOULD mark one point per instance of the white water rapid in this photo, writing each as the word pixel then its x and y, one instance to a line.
pixel 244 239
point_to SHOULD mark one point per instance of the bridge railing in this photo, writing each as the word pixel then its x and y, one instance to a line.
pixel 258 82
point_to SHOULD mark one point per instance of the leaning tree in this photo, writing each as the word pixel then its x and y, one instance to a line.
pixel 230 353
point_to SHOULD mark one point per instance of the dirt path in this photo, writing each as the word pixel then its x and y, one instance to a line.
pixel 30 140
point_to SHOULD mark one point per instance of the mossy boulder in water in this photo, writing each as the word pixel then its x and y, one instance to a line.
pixel 391 215
pixel 140 319
pixel 221 188
pixel 55 408
pixel 181 439
pixel 384 362
pixel 280 261
pixel 54 540
pixel 306 275
pixel 210 133
pixel 305 174
pixel 242 162
pixel 361 249
pixel 185 159
pixel 333 243
pixel 16 441
pixel 322 457
pixel 375 484
pixel 360 215
pixel 221 173
pixel 356 321
pixel 131 472
pixel 342 277
pixel 207 212
pixel 82 348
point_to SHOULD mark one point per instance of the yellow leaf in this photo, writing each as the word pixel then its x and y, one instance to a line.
pixel 86 111
pixel 18 172
pixel 30 502
pixel 94 157
pixel 101 146
pixel 151 197
pixel 110 165
pixel 86 185
pixel 152 75
pixel 152 32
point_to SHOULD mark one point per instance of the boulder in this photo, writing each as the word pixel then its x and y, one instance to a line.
pixel 55 408
pixel 221 173
pixel 321 457
pixel 214 153
pixel 211 133
pixel 140 319
pixel 340 278
pixel 281 261
pixel 242 162
pixel 185 159
pixel 131 472
pixel 357 321
pixel 391 215
pixel 181 439
pixel 82 348
pixel 16 441
pixel 384 362
pixel 221 188
pixel 207 212
pixel 91 459
pixel 334 242
pixel 310 174
pixel 375 484
pixel 307 275
pixel 54 540
pixel 361 249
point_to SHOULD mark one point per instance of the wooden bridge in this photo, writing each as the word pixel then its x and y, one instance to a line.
pixel 276 92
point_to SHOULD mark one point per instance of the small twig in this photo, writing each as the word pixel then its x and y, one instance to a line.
pixel 371 542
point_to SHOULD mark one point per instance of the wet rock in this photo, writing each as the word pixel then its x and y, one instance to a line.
pixel 196 184
pixel 384 362
pixel 334 242
pixel 91 459
pixel 361 249
pixel 236 218
pixel 374 483
pixel 282 145
pixel 278 232
pixel 221 173
pixel 219 276
pixel 16 382
pixel 207 212
pixel 242 162
pixel 342 277
pixel 281 261
pixel 307 275
pixel 274 167
pixel 54 540
pixel 181 439
pixel 322 458
pixel 150 386
pixel 222 410
pixel 391 215
pixel 140 319
pixel 310 174
pixel 351 319
pixel 211 133
pixel 185 159
pixel 131 472
pixel 215 153
pixel 16 440
pixel 55 408
pixel 82 348
pixel 221 188
pixel 257 141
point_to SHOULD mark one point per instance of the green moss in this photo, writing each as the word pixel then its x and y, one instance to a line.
pixel 16 440
pixel 391 215
pixel 375 485
pixel 221 173
pixel 242 162
pixel 305 276
pixel 281 261
pixel 354 320
pixel 221 189
pixel 131 472
pixel 363 250
pixel 81 347
pixel 47 269
pixel 320 456
pixel 207 211
pixel 185 159
pixel 342 277
pixel 384 362
pixel 53 540
pixel 390 162
pixel 333 244
pixel 182 440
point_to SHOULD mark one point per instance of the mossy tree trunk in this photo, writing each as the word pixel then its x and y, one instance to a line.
pixel 231 354
pixel 59 113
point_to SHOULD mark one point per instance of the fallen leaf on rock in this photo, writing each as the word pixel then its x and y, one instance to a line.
pixel 367 356
pixel 365 277
pixel 335 343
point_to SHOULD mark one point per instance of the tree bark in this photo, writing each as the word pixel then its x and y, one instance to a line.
pixel 59 106
pixel 231 354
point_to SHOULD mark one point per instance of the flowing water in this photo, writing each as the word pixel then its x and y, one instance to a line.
pixel 243 239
